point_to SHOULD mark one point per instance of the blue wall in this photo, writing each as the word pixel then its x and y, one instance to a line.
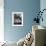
pixel 28 7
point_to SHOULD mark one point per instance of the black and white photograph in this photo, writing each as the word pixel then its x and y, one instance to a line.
pixel 17 18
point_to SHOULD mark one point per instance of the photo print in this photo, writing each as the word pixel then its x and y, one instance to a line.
pixel 17 18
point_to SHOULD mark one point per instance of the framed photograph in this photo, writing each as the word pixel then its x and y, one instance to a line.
pixel 17 18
